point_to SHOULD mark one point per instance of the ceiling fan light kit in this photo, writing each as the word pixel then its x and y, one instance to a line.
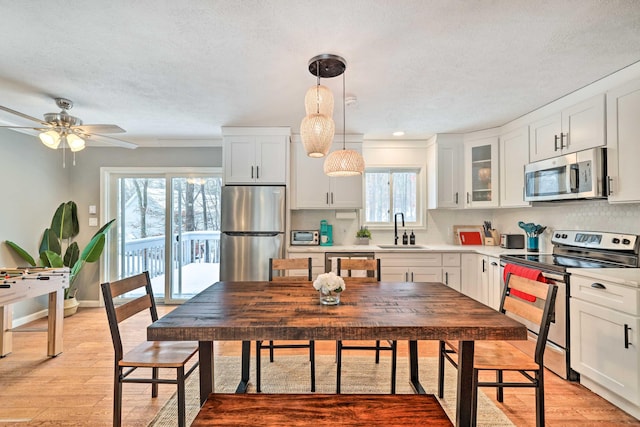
pixel 66 131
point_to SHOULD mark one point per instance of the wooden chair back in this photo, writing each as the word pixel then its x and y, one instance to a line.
pixel 540 312
pixel 371 267
pixel 117 314
pixel 283 265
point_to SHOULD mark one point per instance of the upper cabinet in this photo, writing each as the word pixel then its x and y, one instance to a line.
pixel 513 157
pixel 576 128
pixel 481 173
pixel 255 155
pixel 444 177
pixel 312 189
pixel 623 142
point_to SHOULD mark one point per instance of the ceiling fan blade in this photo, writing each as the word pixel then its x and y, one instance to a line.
pixel 24 116
pixel 24 127
pixel 112 141
pixel 98 129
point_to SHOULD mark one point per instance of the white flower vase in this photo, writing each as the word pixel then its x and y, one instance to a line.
pixel 328 297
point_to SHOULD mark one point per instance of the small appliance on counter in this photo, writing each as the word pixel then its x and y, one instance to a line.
pixel 326 233
pixel 305 237
pixel 512 241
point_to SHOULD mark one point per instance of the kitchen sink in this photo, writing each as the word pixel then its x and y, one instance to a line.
pixel 405 247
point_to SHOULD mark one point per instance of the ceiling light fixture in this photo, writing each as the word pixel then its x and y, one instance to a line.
pixel 344 162
pixel 317 128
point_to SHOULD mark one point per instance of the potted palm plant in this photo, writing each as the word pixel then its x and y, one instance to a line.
pixel 64 227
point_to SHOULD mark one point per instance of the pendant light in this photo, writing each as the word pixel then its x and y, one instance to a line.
pixel 318 128
pixel 344 162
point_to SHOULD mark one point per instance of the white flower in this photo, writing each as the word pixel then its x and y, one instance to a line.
pixel 329 282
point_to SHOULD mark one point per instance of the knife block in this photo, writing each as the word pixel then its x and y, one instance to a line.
pixel 494 240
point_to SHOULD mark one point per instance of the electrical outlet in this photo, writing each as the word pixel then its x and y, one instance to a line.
pixel 93 210
pixel 93 222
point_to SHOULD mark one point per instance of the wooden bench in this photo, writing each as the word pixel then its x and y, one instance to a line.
pixel 321 410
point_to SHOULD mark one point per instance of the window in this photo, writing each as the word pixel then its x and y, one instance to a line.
pixel 388 191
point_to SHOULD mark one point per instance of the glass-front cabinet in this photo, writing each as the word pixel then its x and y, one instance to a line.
pixel 481 173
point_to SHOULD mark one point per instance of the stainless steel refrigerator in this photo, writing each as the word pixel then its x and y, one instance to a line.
pixel 252 230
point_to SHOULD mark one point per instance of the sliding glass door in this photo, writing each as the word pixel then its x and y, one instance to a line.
pixel 167 224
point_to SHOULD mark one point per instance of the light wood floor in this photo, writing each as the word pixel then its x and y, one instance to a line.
pixel 75 388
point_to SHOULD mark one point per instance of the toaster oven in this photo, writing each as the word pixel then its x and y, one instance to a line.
pixel 305 237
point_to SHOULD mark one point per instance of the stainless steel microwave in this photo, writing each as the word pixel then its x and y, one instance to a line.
pixel 578 175
pixel 305 237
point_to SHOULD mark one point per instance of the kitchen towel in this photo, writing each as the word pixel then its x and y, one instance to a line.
pixel 526 272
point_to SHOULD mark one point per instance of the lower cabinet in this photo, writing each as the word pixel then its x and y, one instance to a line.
pixel 605 336
pixel 410 266
pixel 481 279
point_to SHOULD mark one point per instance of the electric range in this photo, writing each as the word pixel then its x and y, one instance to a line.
pixel 574 249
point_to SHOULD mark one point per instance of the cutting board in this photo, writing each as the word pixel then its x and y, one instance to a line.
pixel 470 238
pixel 468 234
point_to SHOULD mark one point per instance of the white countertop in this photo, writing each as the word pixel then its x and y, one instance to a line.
pixel 494 251
pixel 623 276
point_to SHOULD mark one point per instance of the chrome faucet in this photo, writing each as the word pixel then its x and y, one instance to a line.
pixel 395 226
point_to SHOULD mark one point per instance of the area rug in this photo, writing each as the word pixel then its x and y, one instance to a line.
pixel 360 374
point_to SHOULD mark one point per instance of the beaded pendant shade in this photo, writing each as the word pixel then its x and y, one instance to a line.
pixel 318 128
pixel 344 162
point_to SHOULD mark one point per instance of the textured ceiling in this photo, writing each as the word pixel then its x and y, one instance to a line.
pixel 174 72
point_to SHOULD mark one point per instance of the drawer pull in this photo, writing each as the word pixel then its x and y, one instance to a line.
pixel 626 336
pixel 597 285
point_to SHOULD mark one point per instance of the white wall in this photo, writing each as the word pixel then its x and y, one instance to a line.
pixel 33 184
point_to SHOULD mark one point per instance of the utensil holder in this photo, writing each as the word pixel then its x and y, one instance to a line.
pixel 532 244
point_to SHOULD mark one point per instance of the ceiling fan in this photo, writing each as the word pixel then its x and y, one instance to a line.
pixel 67 131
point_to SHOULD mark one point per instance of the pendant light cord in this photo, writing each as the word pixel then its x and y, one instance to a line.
pixel 318 88
pixel 344 115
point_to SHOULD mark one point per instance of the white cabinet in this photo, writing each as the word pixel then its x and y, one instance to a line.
pixel 605 335
pixel 623 147
pixel 481 173
pixel 481 279
pixel 494 282
pixel 445 172
pixel 252 158
pixel 312 189
pixel 451 270
pixel 514 155
pixel 409 266
pixel 576 128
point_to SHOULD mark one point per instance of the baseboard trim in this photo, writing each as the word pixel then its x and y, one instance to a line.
pixel 19 321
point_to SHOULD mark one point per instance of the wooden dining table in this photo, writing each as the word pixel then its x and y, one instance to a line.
pixel 412 311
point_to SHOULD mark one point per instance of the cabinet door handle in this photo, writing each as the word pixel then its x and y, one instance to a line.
pixel 609 185
pixel 251 172
pixel 412 276
pixel 555 142
pixel 626 336
pixel 564 136
pixel 483 266
pixel 332 197
pixel 406 276
pixel 467 197
pixel 597 285
pixel 456 197
pixel 257 172
pixel 327 197
pixel 446 278
pixel 494 263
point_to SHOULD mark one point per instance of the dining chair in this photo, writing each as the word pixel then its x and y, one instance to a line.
pixel 500 356
pixel 353 270
pixel 147 354
pixel 289 270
